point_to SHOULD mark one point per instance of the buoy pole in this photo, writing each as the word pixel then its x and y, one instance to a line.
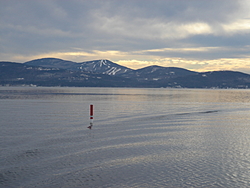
pixel 91 113
pixel 91 108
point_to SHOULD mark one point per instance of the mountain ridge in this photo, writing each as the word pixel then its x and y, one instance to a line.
pixel 105 73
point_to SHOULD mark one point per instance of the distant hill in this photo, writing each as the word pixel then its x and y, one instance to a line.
pixel 215 79
pixel 104 73
pixel 157 73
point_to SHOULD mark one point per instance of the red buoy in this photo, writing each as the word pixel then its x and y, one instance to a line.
pixel 91 113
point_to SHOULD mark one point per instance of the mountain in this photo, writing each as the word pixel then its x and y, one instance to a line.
pixel 219 79
pixel 24 74
pixel 104 67
pixel 157 73
pixel 52 63
pixel 96 66
pixel 104 73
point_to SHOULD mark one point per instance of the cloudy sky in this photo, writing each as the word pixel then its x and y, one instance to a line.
pixel 200 35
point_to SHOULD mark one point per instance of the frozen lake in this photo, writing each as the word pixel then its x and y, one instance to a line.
pixel 140 138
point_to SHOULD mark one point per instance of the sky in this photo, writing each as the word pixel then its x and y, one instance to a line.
pixel 199 35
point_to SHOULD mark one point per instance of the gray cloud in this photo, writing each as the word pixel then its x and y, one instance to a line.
pixel 29 28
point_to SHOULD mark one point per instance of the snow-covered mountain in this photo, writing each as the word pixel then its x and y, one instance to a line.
pixel 103 66
pixel 97 66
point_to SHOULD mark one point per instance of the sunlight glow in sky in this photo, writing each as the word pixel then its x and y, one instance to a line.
pixel 197 35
